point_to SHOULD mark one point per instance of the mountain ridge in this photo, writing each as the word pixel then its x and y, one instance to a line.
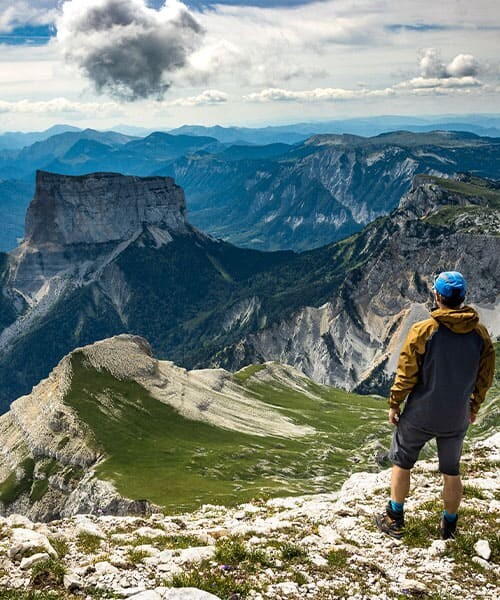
pixel 203 302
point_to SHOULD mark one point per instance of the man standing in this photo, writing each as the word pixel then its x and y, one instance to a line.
pixel 445 369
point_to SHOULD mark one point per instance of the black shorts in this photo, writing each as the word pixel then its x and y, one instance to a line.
pixel 407 442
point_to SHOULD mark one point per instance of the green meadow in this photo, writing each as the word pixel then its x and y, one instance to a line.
pixel 152 452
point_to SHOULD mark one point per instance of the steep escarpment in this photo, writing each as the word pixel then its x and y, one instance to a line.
pixel 101 208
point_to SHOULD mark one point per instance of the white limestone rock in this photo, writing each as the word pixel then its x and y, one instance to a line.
pixel 188 594
pixel 482 549
pixel 25 542
pixel 28 561
pixel 196 554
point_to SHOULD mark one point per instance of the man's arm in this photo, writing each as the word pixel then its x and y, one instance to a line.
pixel 485 373
pixel 410 361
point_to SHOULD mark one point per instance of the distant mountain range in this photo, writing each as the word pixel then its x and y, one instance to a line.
pixel 483 125
pixel 106 254
pixel 274 196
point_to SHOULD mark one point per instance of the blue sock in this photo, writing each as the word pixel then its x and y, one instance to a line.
pixel 450 517
pixel 397 506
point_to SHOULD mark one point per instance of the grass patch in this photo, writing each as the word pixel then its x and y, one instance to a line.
pixel 338 558
pixel 244 374
pixel 291 552
pixel 47 574
pixel 420 530
pixel 472 491
pixel 230 552
pixel 135 556
pixel 12 487
pixel 299 578
pixel 233 552
pixel 39 489
pixel 88 543
pixel 59 545
pixel 170 542
pixel 31 595
pixel 225 585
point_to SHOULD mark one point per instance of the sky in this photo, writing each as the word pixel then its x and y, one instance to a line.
pixel 157 64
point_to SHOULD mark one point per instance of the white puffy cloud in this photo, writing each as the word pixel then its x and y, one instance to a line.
pixel 14 13
pixel 436 82
pixel 208 97
pixel 432 67
pixel 463 65
pixel 126 48
pixel 315 95
pixel 59 105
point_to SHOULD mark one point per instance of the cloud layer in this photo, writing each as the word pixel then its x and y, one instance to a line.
pixel 20 12
pixel 125 48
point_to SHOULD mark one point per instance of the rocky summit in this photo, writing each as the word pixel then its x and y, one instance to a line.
pixel 319 547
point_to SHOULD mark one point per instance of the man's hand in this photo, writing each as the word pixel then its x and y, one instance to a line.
pixel 472 418
pixel 394 416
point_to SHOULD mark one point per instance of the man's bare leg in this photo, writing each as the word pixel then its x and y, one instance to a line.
pixel 452 493
pixel 400 484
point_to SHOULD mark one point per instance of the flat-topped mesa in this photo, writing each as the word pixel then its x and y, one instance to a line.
pixel 101 207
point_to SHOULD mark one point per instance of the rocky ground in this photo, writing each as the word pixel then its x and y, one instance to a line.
pixel 314 547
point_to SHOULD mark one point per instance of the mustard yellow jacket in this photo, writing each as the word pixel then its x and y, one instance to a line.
pixel 445 369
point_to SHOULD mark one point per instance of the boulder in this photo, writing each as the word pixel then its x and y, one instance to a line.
pixel 28 561
pixel 482 549
pixel 26 542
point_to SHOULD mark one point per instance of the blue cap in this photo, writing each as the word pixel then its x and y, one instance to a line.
pixel 450 283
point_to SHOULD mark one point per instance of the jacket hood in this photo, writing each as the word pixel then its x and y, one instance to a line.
pixel 459 320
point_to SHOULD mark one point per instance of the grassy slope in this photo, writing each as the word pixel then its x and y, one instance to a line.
pixel 155 453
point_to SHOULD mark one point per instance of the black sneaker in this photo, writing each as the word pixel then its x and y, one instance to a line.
pixel 447 528
pixel 391 522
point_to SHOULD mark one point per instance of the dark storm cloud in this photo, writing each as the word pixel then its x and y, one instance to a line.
pixel 126 48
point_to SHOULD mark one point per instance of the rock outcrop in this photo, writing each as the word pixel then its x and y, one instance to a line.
pixel 101 208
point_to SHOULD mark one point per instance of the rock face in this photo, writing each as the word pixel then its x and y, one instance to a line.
pixel 101 208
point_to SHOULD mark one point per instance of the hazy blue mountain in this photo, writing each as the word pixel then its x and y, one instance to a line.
pixel 486 125
pixel 13 196
pixel 19 139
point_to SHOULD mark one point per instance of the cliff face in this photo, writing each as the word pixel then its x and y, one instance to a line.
pixel 101 208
